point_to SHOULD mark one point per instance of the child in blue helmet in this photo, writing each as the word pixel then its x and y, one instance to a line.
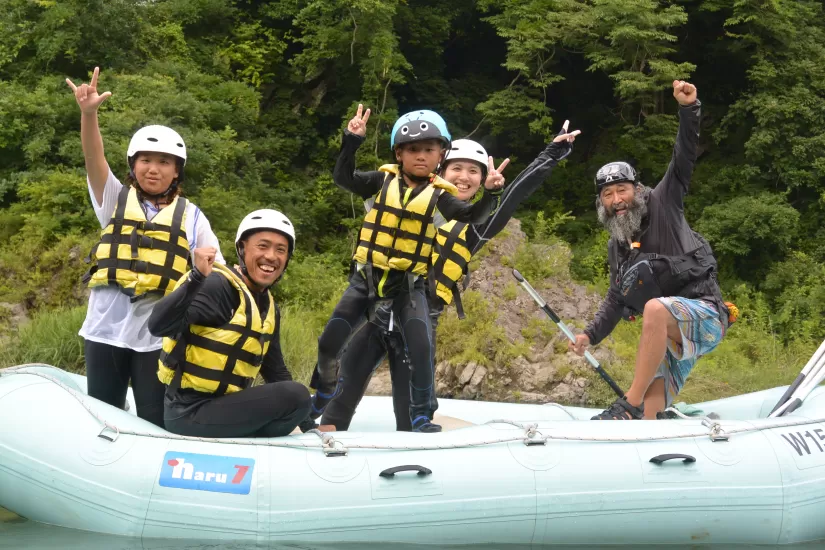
pixel 394 248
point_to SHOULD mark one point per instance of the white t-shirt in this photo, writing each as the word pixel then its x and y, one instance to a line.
pixel 112 318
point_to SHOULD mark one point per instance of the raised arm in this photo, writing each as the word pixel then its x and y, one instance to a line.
pixel 522 187
pixel 89 102
pixel 676 182
pixel 364 184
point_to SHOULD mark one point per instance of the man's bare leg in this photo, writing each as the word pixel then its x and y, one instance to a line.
pixel 659 325
pixel 655 398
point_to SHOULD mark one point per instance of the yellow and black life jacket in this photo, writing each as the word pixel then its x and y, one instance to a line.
pixel 451 256
pixel 137 255
pixel 225 359
pixel 398 233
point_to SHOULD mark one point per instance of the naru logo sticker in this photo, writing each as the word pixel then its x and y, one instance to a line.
pixel 218 474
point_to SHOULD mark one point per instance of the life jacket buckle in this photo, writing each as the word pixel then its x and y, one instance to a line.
pixel 139 266
pixel 147 242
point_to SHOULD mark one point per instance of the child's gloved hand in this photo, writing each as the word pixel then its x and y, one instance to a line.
pixel 564 135
pixel 562 144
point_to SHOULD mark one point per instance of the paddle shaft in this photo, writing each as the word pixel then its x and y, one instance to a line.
pixel 795 400
pixel 806 370
pixel 566 330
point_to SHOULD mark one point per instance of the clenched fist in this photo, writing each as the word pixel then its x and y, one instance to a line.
pixel 580 346
pixel 684 92
pixel 204 258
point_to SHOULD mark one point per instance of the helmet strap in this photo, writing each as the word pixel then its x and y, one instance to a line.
pixel 155 197
pixel 417 179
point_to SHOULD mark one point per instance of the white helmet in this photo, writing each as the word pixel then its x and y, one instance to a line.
pixel 266 219
pixel 156 139
pixel 467 149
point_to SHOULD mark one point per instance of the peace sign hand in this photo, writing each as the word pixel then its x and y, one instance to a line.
pixel 565 136
pixel 86 95
pixel 494 178
pixel 358 124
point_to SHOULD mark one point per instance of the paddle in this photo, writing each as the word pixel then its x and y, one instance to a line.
pixel 806 370
pixel 567 332
pixel 815 376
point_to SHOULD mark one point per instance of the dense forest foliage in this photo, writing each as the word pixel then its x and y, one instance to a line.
pixel 262 90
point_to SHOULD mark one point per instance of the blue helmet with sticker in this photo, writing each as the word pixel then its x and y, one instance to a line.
pixel 417 126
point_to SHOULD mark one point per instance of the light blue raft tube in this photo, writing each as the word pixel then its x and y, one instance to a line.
pixel 509 474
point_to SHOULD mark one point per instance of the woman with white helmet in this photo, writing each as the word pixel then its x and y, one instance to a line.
pixel 148 231
pixel 466 166
pixel 221 329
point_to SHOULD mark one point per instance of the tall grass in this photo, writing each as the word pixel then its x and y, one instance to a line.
pixel 51 338
pixel 300 328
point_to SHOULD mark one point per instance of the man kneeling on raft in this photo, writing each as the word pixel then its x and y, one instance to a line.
pixel 220 329
pixel 660 268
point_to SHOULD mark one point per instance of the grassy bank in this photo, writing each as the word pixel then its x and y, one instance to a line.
pixel 51 338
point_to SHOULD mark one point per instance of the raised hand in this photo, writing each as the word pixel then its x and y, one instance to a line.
pixel 494 178
pixel 684 92
pixel 358 124
pixel 204 258
pixel 565 136
pixel 86 95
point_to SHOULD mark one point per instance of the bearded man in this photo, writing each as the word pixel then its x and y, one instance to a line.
pixel 659 268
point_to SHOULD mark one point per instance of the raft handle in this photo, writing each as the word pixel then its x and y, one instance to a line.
pixel 661 459
pixel 422 471
pixel 113 430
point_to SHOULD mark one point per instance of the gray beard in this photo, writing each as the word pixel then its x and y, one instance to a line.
pixel 622 228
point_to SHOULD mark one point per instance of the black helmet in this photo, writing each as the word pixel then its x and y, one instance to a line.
pixel 614 172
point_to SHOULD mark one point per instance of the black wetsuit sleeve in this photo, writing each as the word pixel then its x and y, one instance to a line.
pixel 208 302
pixel 514 194
pixel 611 310
pixel 273 368
pixel 675 184
pixel 363 184
pixel 453 208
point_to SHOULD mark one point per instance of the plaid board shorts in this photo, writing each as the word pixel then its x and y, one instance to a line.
pixel 701 332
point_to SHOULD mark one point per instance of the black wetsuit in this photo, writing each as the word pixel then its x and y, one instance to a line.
pixel 269 410
pixel 352 309
pixel 370 344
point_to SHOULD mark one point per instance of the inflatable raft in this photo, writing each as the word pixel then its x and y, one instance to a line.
pixel 511 474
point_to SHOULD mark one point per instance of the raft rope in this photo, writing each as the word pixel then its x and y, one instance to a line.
pixel 331 447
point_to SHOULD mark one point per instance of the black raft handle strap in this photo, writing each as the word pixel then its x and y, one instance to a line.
pixel 422 471
pixel 661 459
